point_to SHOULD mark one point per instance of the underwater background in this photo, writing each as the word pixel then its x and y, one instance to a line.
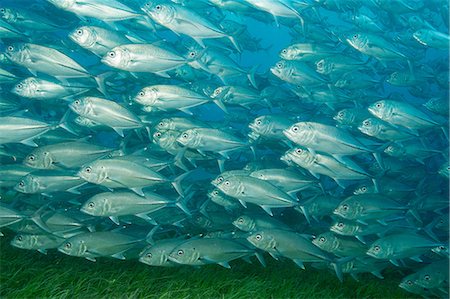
pixel 224 149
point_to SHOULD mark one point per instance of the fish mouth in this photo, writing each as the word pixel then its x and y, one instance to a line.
pixel 370 253
pixel 288 133
pixel 172 259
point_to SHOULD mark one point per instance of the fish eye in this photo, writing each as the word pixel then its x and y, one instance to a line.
pixel 355 36
pixel 258 237
pixel 68 245
pixel 322 239
pixel 227 183
pixel 158 7
pixel 220 179
pixel 241 220
pixel 299 151
pixel 185 135
pixel 284 51
pixel 180 252
pixel 31 157
pixel 88 169
pixel 376 248
pixel 279 65
pixel 366 123
pixel 340 224
pixel 10 48
pixel 91 204
pixel 141 93
pixel 161 124
pixel 19 86
pixel 441 247
pixel 378 105
pixel 192 54
pixel 19 238
pixel 258 122
pixel 363 189
pixel 341 114
pixel 294 128
pixel 21 184
pixel 77 102
pixel 345 207
pixel 80 32
pixel 426 277
pixel 409 282
pixel 215 192
pixel 157 134
pixel 112 54
pixel 149 255
pixel 2 10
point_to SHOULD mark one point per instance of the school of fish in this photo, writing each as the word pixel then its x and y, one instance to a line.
pixel 139 130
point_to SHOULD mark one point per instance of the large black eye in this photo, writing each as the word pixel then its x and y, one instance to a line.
pixel 180 252
pixel 19 86
pixel 80 32
pixel 161 124
pixel 149 255
pixel 91 204
pixel 141 93
pixel 322 239
pixel 299 151
pixel 279 65
pixel 185 135
pixel 363 189
pixel 88 169
pixel 409 282
pixel 258 122
pixel 157 134
pixel 377 248
pixel 2 10
pixel 31 158
pixel 366 123
pixel 19 238
pixel 112 54
pixel 158 7
pixel 378 105
pixel 426 277
pixel 227 183
pixel 294 128
pixel 258 237
pixel 68 245
pixel 284 51
pixel 241 220
pixel 192 54
pixel 10 48
pixel 345 207
pixel 441 247
pixel 22 183
pixel 215 192
pixel 77 102
pixel 340 224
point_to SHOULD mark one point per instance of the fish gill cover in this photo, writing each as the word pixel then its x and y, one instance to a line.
pixel 208 131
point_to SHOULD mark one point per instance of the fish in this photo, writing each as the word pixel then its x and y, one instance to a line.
pixel 252 190
pixel 146 58
pixel 107 113
pixel 46 182
pixel 65 155
pixel 22 130
pixel 117 173
pixel 203 251
pixel 182 20
pixel 121 203
pixel 96 244
pixel 108 11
